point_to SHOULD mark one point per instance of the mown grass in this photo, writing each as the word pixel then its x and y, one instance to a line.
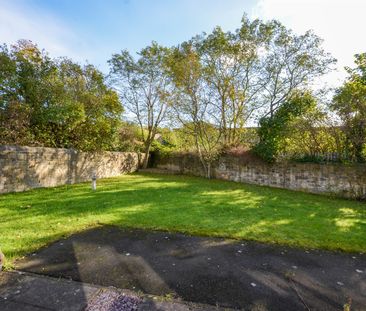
pixel 191 205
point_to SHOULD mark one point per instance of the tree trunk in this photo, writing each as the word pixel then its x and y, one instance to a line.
pixel 359 153
pixel 146 155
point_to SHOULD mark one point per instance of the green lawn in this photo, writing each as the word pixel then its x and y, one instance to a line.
pixel 193 205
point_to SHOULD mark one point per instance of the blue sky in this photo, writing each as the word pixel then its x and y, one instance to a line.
pixel 92 30
pixel 95 29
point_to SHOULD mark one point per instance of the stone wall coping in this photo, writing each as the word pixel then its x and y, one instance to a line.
pixel 28 149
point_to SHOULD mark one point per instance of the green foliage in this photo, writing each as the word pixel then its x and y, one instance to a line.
pixel 314 136
pixel 350 103
pixel 223 79
pixel 129 138
pixel 273 129
pixel 54 103
pixel 162 150
pixel 185 140
pixel 207 88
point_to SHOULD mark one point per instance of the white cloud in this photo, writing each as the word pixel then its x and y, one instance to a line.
pixel 341 23
pixel 19 21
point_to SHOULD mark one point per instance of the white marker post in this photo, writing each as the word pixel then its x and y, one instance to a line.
pixel 94 182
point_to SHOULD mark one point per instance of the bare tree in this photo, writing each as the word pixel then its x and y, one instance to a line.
pixel 143 87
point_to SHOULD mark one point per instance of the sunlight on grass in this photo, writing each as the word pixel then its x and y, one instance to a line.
pixel 345 224
pixel 191 205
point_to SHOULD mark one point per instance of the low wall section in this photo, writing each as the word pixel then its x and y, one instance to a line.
pixel 341 180
pixel 23 168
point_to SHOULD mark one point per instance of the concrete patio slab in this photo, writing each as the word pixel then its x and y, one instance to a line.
pixel 219 272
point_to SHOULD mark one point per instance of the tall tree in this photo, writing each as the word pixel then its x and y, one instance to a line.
pixel 289 62
pixel 350 104
pixel 54 103
pixel 192 107
pixel 230 64
pixel 91 110
pixel 14 115
pixel 143 85
pixel 25 91
pixel 224 79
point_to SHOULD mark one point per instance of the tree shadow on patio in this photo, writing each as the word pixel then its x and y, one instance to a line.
pixel 238 274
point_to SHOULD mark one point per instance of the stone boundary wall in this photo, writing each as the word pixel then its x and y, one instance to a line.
pixel 23 168
pixel 347 181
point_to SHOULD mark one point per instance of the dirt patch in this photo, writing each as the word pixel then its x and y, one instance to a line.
pixel 237 274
